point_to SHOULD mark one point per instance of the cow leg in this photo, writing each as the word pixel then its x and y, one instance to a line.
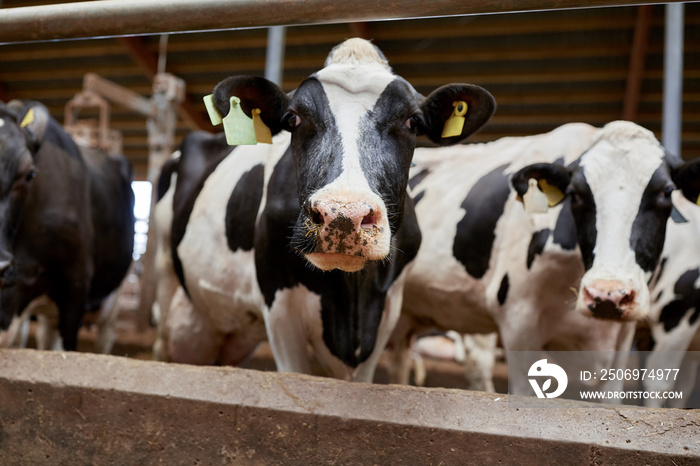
pixel 399 351
pixel 16 335
pixel 107 323
pixel 236 349
pixel 286 322
pixel 686 381
pixel 47 316
pixel 192 337
pixel 479 360
pixel 519 336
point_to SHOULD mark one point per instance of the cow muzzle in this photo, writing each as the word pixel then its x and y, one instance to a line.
pixel 609 299
pixel 346 234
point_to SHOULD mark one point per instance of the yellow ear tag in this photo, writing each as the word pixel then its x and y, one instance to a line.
pixel 239 129
pixel 455 123
pixel 535 201
pixel 698 201
pixel 212 111
pixel 28 118
pixel 262 132
pixel 554 194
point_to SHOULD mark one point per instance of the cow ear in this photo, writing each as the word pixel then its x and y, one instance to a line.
pixel 32 118
pixel 552 179
pixel 254 92
pixel 686 176
pixel 446 107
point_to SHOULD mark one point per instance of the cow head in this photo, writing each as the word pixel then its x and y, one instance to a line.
pixel 354 125
pixel 619 193
pixel 21 131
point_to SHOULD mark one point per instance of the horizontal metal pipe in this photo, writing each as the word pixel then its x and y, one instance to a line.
pixel 137 17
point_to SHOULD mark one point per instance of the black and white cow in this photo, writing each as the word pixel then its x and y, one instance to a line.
pixel 675 309
pixel 66 219
pixel 485 265
pixel 307 240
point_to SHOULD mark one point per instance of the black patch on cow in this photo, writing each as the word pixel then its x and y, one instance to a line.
pixel 583 209
pixel 165 177
pixel 649 227
pixel 654 280
pixel 386 146
pixel 503 290
pixel 316 141
pixel 565 229
pixel 418 197
pixel 658 296
pixel 687 297
pixel 476 232
pixel 537 243
pixel 418 178
pixel 201 153
pixel 242 209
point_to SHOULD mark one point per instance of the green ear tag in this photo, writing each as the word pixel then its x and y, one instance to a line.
pixel 554 194
pixel 262 132
pixel 213 112
pixel 239 129
pixel 455 123
pixel 535 201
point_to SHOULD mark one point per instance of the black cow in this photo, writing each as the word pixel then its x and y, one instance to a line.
pixel 309 239
pixel 66 219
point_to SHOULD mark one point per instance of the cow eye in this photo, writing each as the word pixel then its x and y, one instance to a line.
pixel 292 120
pixel 668 190
pixel 413 122
pixel 31 174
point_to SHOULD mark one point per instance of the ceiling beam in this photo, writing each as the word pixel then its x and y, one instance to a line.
pixel 148 62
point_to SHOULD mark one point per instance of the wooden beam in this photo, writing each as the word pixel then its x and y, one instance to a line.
pixel 638 55
pixel 148 62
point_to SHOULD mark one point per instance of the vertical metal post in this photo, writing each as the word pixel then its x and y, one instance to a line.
pixel 274 60
pixel 673 78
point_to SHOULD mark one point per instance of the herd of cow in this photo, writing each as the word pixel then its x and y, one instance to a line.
pixel 343 237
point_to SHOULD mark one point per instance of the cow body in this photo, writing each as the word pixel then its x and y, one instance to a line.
pixel 675 312
pixel 307 241
pixel 68 221
pixel 486 265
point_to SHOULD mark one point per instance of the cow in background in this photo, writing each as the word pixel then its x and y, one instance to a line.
pixel 308 240
pixel 485 265
pixel 675 310
pixel 66 220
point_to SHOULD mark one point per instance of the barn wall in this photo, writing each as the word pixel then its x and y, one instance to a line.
pixel 544 68
pixel 70 408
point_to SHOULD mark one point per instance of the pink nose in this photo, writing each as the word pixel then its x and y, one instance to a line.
pixel 608 299
pixel 347 217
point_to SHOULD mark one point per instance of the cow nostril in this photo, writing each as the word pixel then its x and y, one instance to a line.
pixel 627 299
pixel 316 217
pixel 368 221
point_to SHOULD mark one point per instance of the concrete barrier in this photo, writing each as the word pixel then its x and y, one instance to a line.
pixel 71 408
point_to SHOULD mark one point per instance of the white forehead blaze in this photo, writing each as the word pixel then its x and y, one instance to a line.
pixel 618 169
pixel 353 79
pixel 2 122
